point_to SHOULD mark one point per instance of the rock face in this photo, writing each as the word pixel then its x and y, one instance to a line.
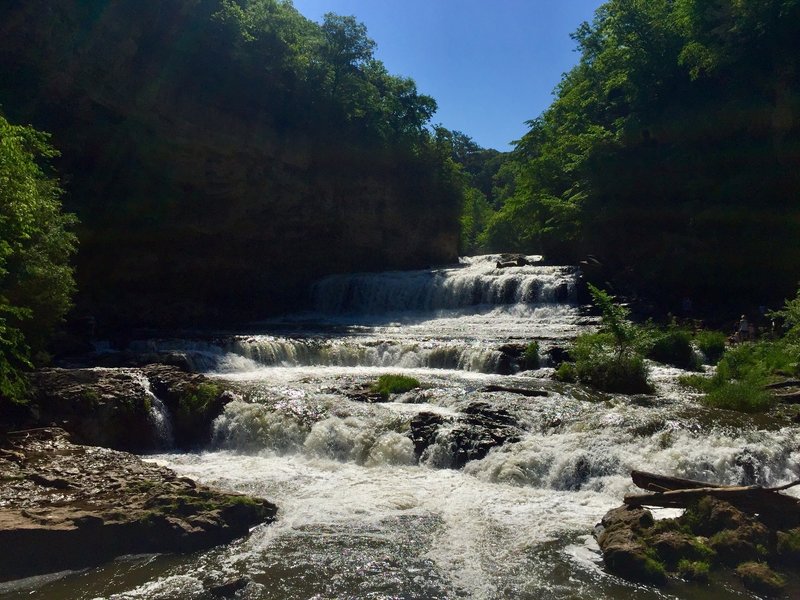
pixel 118 407
pixel 199 200
pixel 67 506
pixel 470 436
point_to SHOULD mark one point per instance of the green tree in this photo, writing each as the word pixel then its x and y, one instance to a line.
pixel 672 144
pixel 36 243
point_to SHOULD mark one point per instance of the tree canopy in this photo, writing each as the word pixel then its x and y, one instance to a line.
pixel 36 243
pixel 670 152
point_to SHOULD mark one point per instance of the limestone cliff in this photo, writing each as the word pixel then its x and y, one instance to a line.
pixel 202 196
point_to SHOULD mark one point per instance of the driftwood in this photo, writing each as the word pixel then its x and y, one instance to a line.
pixel 662 483
pixel 674 492
pixel 783 384
pixel 790 398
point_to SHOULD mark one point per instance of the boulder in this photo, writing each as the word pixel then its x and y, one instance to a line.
pixel 624 552
pixel 67 506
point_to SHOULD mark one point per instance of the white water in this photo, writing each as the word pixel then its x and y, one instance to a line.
pixel 360 517
pixel 159 415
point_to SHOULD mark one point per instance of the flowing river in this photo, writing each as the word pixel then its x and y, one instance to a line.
pixel 457 490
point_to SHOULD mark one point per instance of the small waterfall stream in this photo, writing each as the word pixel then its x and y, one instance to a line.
pixel 460 489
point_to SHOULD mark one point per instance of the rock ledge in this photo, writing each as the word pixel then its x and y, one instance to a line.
pixel 65 506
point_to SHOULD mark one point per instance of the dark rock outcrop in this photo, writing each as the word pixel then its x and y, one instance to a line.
pixel 115 407
pixel 424 427
pixel 480 428
pixel 67 506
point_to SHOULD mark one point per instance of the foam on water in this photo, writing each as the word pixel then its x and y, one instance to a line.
pixel 361 517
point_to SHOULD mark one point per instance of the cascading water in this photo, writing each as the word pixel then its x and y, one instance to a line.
pixel 460 489
pixel 159 415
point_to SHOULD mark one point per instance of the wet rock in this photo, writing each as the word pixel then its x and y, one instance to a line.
pixel 115 504
pixel 512 260
pixel 672 546
pixel 424 427
pixel 106 407
pixel 744 543
pixel 759 578
pixel 557 355
pixel 530 393
pixel 712 515
pixel 481 428
pixel 635 519
pixel 624 551
pixel 112 407
pixel 228 588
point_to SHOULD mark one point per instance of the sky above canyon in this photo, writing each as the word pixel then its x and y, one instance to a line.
pixel 490 65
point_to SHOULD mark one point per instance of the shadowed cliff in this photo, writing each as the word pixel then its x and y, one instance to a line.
pixel 221 156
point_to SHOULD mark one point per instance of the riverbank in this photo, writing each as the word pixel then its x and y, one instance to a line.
pixel 67 506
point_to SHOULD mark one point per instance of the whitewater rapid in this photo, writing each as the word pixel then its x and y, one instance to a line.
pixel 364 515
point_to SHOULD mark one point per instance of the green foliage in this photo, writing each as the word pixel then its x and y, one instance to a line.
pixel 614 321
pixel 673 347
pixel 475 213
pixel 743 396
pixel 394 384
pixel 36 243
pixel 789 544
pixel 598 365
pixel 196 402
pixel 711 344
pixel 530 356
pixel 610 360
pixel 694 570
pixel 745 369
pixel 668 145
pixel 790 314
pixel 567 373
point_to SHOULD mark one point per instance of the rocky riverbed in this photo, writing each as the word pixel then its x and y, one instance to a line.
pixel 66 506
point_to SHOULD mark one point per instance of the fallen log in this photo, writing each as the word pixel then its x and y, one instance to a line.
pixel 653 482
pixel 783 384
pixel 790 398
pixel 753 499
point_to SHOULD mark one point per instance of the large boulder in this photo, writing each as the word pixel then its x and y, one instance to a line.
pixel 67 506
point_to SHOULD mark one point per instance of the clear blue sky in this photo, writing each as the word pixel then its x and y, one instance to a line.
pixel 490 64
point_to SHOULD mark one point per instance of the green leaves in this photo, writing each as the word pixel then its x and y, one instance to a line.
pixel 36 243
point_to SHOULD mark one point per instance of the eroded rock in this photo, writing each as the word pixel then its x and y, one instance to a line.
pixel 66 506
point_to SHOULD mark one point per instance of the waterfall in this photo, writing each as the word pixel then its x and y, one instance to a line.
pixel 474 282
pixel 159 415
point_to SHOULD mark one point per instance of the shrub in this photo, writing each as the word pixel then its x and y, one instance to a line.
pixel 394 384
pixel 743 396
pixel 195 404
pixel 566 372
pixel 674 347
pixel 531 356
pixel 597 364
pixel 610 360
pixel 711 344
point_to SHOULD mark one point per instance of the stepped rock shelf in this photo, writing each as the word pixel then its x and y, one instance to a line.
pixel 66 506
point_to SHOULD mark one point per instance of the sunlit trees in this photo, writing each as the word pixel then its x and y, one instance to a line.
pixel 35 247
pixel 670 151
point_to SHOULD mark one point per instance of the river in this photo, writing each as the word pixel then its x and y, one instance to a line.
pixel 363 516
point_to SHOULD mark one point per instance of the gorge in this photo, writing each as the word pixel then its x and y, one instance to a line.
pixel 455 489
